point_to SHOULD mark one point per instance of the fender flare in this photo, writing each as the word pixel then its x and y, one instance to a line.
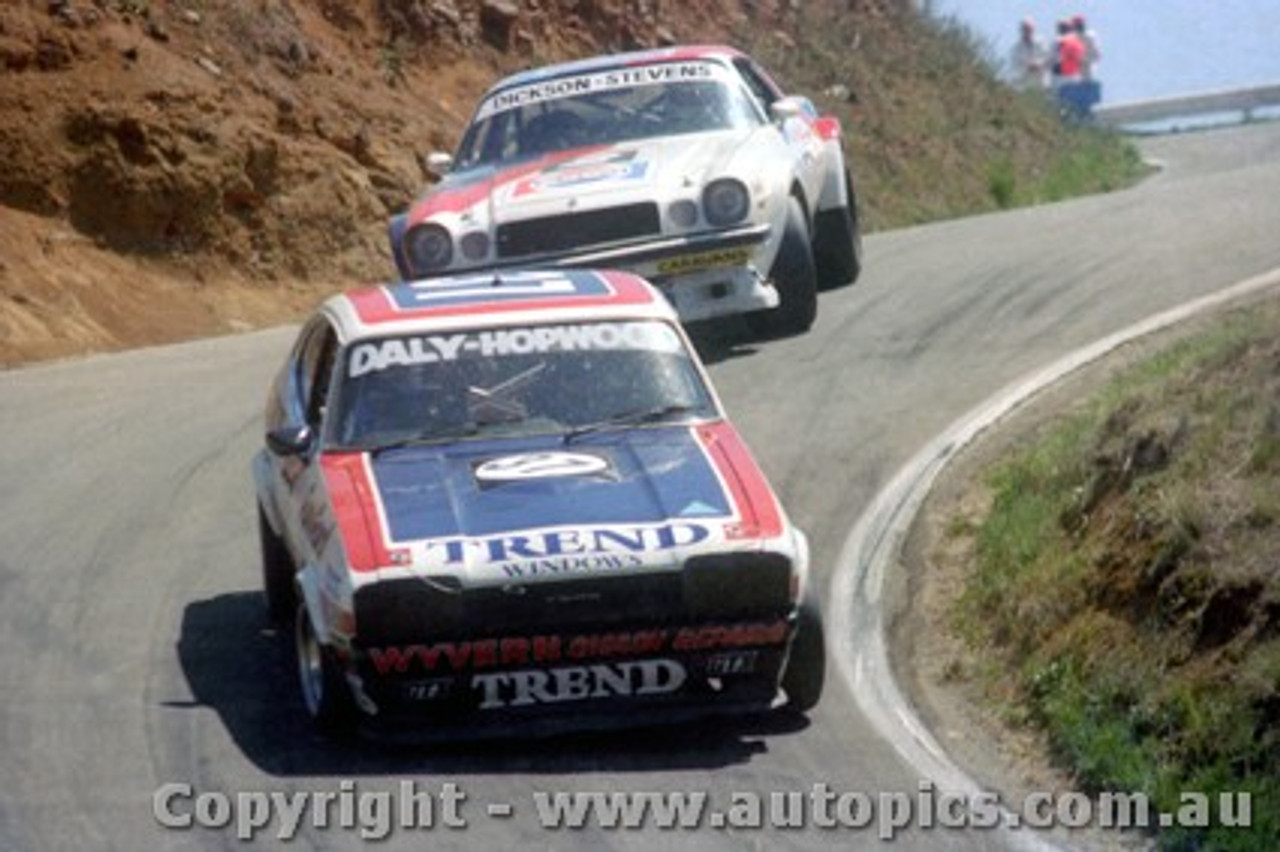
pixel 834 194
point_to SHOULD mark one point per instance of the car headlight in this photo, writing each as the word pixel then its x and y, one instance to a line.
pixel 429 248
pixel 475 246
pixel 683 213
pixel 725 202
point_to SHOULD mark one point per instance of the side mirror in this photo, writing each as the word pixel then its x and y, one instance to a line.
pixel 290 440
pixel 438 164
pixel 786 108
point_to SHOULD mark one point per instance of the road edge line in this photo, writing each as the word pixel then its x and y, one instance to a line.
pixel 856 629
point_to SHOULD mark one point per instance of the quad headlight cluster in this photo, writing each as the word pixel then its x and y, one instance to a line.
pixel 430 247
pixel 724 202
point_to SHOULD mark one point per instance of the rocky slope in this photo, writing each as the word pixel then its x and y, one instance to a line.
pixel 183 167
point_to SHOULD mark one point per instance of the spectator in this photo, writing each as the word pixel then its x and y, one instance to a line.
pixel 1068 57
pixel 1030 59
pixel 1092 52
pixel 1076 96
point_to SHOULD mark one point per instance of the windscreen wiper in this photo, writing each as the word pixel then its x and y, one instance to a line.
pixel 629 418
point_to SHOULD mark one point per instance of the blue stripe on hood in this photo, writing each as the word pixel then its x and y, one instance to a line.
pixel 654 475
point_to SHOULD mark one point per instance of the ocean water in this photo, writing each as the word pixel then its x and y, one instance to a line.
pixel 1150 48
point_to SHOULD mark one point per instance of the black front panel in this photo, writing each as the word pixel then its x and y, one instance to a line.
pixel 571 231
pixel 717 588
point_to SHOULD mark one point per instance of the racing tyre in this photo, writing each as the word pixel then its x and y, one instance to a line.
pixel 806 670
pixel 837 242
pixel 277 572
pixel 325 693
pixel 796 278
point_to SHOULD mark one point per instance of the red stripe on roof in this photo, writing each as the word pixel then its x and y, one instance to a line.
pixel 682 53
pixel 374 306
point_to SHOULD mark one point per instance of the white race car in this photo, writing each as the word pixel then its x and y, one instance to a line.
pixel 687 165
pixel 509 502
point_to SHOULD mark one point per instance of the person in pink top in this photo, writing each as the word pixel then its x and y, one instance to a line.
pixel 1077 94
pixel 1068 65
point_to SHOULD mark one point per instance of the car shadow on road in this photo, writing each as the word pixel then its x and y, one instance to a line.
pixel 239 666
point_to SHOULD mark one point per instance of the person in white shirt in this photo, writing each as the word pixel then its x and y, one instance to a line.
pixel 1030 58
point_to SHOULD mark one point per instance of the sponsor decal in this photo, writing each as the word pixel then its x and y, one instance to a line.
pixel 546 465
pixel 616 167
pixel 736 663
pixel 428 690
pixel 578 683
pixel 704 260
pixel 316 524
pixel 509 651
pixel 566 551
pixel 602 81
pixel 375 356
pixel 718 636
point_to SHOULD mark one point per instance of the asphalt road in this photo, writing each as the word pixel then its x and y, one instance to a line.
pixel 134 652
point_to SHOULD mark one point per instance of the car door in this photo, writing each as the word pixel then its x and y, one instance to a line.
pixel 306 513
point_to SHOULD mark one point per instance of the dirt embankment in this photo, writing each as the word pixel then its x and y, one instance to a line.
pixel 179 168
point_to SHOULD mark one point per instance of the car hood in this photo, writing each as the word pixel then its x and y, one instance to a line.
pixel 487 511
pixel 585 178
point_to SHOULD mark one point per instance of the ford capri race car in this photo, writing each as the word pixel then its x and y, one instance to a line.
pixel 491 503
pixel 687 166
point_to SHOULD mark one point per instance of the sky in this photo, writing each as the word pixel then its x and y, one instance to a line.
pixel 1150 48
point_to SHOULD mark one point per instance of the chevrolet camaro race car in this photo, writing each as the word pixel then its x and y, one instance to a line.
pixel 492 503
pixel 688 166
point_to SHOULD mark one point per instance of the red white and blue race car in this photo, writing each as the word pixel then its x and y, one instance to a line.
pixel 494 502
pixel 687 165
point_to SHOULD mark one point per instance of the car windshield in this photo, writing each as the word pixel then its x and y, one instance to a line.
pixel 602 108
pixel 571 379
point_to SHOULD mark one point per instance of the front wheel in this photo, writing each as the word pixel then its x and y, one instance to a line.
pixel 796 278
pixel 806 671
pixel 325 693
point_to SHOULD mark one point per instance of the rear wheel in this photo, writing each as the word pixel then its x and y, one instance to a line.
pixel 838 242
pixel 796 278
pixel 325 693
pixel 277 572
pixel 806 670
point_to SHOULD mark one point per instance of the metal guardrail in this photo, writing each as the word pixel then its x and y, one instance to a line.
pixel 1244 101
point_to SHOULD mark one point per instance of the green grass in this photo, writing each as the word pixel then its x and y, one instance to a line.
pixel 1138 614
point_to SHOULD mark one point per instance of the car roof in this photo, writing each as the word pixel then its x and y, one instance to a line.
pixel 493 299
pixel 676 53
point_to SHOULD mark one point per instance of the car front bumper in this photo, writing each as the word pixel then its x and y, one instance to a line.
pixel 617 676
pixel 704 275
